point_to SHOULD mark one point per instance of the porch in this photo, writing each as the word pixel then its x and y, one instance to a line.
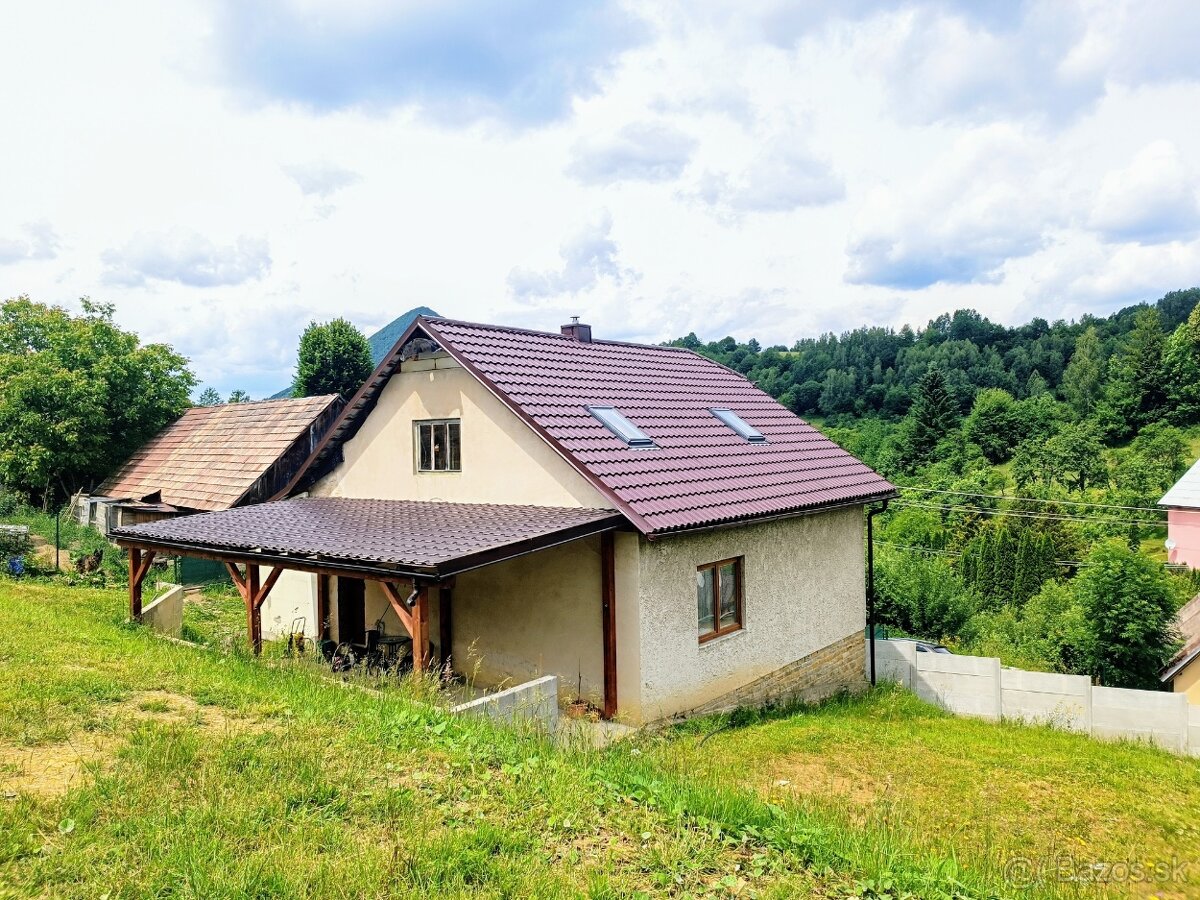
pixel 407 570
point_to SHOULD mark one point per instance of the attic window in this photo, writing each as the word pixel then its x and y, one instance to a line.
pixel 740 425
pixel 621 426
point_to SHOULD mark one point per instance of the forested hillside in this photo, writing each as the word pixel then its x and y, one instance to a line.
pixel 1030 462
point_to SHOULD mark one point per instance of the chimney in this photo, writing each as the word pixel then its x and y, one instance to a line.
pixel 577 331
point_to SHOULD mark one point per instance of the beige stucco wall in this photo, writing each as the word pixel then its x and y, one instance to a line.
pixel 541 615
pixel 804 590
pixel 503 460
pixel 294 596
pixel 1188 682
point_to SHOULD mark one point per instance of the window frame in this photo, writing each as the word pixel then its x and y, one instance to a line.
pixel 738 563
pixel 418 424
pixel 621 427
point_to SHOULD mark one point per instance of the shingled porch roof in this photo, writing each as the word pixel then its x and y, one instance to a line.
pixel 407 538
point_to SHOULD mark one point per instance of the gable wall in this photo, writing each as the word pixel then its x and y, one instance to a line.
pixel 503 460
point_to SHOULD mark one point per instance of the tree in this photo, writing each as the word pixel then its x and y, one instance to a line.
pixel 209 397
pixel 994 424
pixel 1135 394
pixel 931 418
pixel 334 358
pixel 1084 376
pixel 1181 367
pixel 78 395
pixel 1129 603
pixel 239 396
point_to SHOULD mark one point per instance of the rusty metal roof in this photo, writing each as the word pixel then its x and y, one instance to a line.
pixel 700 473
pixel 211 456
pixel 406 536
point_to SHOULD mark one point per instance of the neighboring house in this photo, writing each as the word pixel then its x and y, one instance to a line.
pixel 1183 519
pixel 639 520
pixel 382 341
pixel 1183 673
pixel 212 458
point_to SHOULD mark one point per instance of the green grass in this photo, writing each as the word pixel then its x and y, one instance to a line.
pixel 135 767
pixel 983 793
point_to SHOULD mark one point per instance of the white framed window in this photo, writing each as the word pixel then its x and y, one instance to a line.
pixel 439 445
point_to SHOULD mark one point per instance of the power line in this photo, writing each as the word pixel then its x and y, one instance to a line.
pixel 1153 509
pixel 1020 514
pixel 957 553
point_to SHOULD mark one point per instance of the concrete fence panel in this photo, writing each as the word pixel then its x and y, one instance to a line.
pixel 534 702
pixel 969 685
pixel 165 613
pixel 1193 741
pixel 1154 716
pixel 1061 700
pixel 893 662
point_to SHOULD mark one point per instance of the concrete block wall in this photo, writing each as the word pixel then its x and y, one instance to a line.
pixel 978 686
pixel 837 667
pixel 534 702
pixel 165 613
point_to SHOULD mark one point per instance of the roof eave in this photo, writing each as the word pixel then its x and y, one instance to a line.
pixel 793 513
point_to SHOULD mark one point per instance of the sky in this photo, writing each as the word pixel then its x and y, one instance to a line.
pixel 226 172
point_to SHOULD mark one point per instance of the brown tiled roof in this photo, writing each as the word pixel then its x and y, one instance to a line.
pixel 699 474
pixel 407 535
pixel 209 457
pixel 1188 623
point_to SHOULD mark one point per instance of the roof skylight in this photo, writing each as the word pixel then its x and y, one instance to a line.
pixel 621 426
pixel 743 428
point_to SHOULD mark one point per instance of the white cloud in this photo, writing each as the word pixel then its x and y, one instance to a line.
pixel 782 177
pixel 588 256
pixel 186 258
pixel 640 151
pixel 976 207
pixel 321 179
pixel 1155 199
pixel 39 242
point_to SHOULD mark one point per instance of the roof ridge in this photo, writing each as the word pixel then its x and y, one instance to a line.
pixel 553 334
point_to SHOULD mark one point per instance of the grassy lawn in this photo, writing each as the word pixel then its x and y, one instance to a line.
pixel 134 767
pixel 981 792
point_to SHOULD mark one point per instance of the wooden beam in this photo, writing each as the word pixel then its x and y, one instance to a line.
pixel 263 591
pixel 253 617
pixel 445 629
pixel 322 607
pixel 420 630
pixel 239 580
pixel 392 592
pixel 608 607
pixel 139 568
pixel 135 584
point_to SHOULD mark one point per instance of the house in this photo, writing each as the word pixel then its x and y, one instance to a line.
pixel 1183 519
pixel 1183 674
pixel 212 458
pixel 639 520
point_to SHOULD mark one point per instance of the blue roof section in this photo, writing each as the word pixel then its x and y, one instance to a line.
pixel 381 341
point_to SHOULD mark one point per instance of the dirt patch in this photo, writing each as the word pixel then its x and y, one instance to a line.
pixel 808 777
pixel 50 770
pixel 169 707
pixel 43 551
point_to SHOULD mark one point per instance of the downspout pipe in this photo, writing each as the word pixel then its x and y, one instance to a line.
pixel 872 511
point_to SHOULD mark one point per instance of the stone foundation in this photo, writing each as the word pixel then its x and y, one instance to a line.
pixel 837 667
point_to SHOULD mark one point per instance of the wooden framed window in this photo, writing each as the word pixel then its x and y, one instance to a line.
pixel 439 446
pixel 719 598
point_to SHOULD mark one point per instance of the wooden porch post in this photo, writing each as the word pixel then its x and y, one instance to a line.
pixel 139 566
pixel 253 618
pixel 608 607
pixel 322 607
pixel 445 631
pixel 420 629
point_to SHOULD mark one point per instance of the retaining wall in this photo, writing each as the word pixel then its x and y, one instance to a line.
pixel 979 686
pixel 534 702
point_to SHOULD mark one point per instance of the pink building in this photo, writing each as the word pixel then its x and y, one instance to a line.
pixel 1183 519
